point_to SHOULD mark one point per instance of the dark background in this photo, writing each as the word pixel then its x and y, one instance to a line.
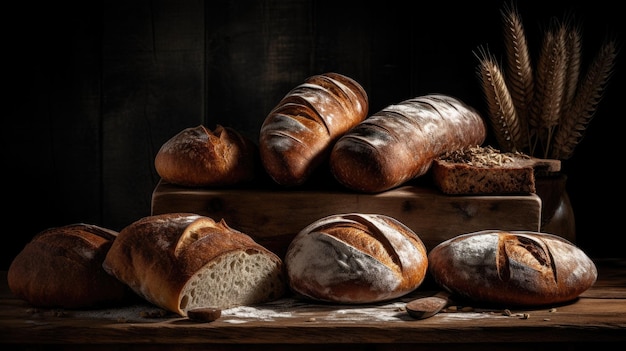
pixel 94 88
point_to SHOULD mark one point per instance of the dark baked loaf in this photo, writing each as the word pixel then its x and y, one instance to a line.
pixel 296 136
pixel 62 267
pixel 200 157
pixel 183 261
pixel 485 170
pixel 512 268
pixel 401 141
pixel 355 258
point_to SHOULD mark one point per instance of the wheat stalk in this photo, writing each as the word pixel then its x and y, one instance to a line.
pixel 553 106
pixel 573 47
pixel 550 82
pixel 585 102
pixel 502 113
pixel 519 72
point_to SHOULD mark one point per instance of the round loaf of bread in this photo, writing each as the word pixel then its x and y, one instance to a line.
pixel 200 157
pixel 512 268
pixel 297 135
pixel 62 267
pixel 355 258
pixel 183 261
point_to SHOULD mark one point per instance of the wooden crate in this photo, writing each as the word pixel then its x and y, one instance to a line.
pixel 272 218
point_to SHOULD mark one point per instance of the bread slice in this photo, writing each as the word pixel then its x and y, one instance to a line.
pixel 183 261
pixel 485 170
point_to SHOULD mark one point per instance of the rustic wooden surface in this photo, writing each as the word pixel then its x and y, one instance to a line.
pixel 432 215
pixel 598 316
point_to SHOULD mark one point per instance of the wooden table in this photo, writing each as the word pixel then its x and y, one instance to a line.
pixel 598 316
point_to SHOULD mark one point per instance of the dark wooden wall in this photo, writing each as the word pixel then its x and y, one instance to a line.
pixel 94 88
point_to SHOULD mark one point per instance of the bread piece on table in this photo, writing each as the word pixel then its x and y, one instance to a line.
pixel 512 268
pixel 200 157
pixel 62 267
pixel 183 261
pixel 401 141
pixel 485 170
pixel 355 258
pixel 297 135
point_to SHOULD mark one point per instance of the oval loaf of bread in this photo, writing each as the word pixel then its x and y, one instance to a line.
pixel 62 267
pixel 200 157
pixel 296 136
pixel 355 258
pixel 512 268
pixel 400 142
pixel 183 261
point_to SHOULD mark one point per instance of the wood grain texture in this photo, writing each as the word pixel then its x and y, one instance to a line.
pixel 274 217
pixel 598 317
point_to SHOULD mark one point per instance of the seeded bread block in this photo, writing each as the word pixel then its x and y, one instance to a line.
pixel 485 170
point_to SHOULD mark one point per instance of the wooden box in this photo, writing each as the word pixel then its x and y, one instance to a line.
pixel 273 217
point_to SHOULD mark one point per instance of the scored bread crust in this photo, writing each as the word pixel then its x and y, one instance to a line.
pixel 512 268
pixel 355 258
pixel 200 157
pixel 182 261
pixel 401 141
pixel 296 136
pixel 62 267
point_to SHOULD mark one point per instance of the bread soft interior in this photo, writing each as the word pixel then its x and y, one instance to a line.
pixel 236 278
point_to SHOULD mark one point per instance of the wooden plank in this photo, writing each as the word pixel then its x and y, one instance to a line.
pixel 274 217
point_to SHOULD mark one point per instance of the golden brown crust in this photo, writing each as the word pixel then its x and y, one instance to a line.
pixel 517 268
pixel 201 157
pixel 62 267
pixel 355 258
pixel 401 141
pixel 296 136
pixel 156 256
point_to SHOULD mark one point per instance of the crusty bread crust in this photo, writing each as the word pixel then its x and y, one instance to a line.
pixel 400 142
pixel 169 258
pixel 200 157
pixel 296 136
pixel 516 268
pixel 355 258
pixel 62 267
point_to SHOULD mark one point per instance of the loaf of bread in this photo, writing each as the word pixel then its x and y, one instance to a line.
pixel 61 267
pixel 183 261
pixel 485 170
pixel 197 157
pixel 400 142
pixel 512 268
pixel 355 258
pixel 297 135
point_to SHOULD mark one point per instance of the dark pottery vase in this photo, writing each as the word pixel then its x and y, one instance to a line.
pixel 557 214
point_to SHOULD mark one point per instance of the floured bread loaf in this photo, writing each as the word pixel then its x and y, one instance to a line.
pixel 400 142
pixel 200 157
pixel 297 135
pixel 516 268
pixel 183 261
pixel 485 170
pixel 355 258
pixel 62 267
